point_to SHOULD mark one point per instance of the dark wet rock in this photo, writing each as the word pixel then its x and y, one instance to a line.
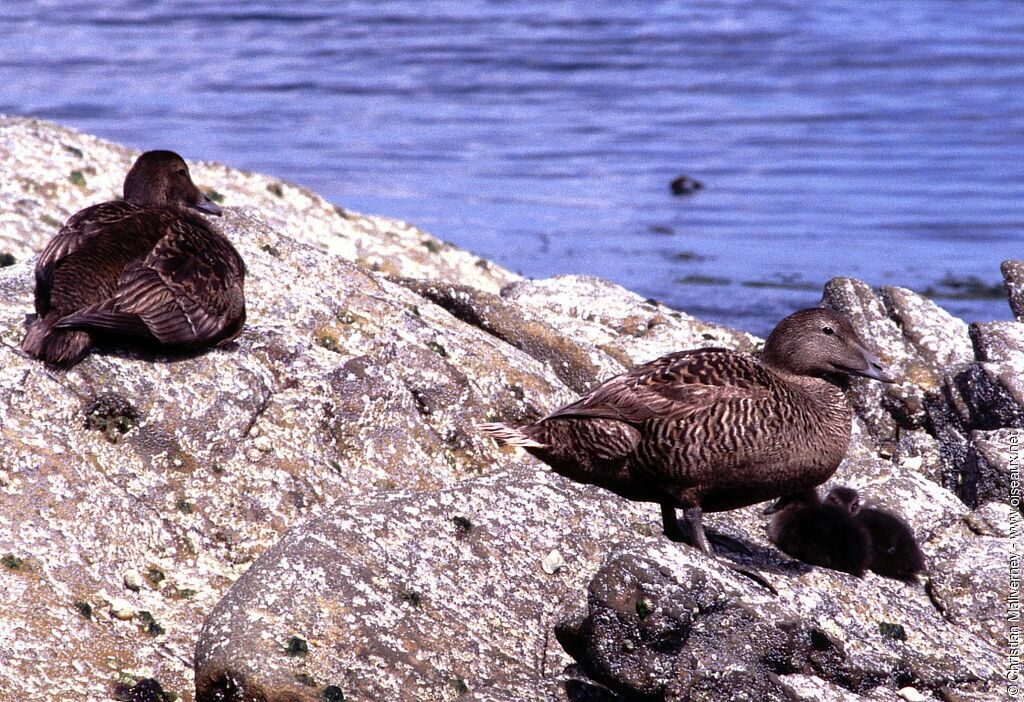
pixel 986 396
pixel 1013 279
pixel 992 457
pixel 654 633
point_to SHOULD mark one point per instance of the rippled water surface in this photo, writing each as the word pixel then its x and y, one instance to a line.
pixel 879 140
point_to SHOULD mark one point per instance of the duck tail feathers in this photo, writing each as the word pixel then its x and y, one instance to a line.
pixel 508 436
pixel 57 346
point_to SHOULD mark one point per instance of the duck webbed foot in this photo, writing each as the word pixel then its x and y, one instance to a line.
pixel 691 531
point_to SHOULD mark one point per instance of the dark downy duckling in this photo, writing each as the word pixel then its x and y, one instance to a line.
pixel 712 429
pixel 142 267
pixel 819 534
pixel 894 550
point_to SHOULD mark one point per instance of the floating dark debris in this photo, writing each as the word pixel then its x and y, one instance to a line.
pixel 685 185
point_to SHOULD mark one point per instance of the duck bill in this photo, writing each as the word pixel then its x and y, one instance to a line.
pixel 775 506
pixel 874 368
pixel 208 206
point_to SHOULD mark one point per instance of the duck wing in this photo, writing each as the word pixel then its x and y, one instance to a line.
pixel 674 387
pixel 83 229
pixel 187 291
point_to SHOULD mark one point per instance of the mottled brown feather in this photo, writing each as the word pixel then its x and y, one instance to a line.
pixel 146 268
pixel 712 429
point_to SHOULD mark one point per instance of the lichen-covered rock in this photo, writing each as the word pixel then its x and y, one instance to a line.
pixel 1013 279
pixel 523 329
pixel 190 466
pixel 183 468
pixel 624 325
pixel 662 623
pixel 955 379
pixel 137 487
pixel 407 596
pixel 958 561
pixel 872 400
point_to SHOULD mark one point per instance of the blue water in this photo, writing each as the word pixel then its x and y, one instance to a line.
pixel 879 140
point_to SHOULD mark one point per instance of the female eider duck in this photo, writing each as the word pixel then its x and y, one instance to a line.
pixel 712 429
pixel 142 267
pixel 894 550
pixel 819 534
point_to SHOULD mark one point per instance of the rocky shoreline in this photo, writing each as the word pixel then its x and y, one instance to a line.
pixel 307 513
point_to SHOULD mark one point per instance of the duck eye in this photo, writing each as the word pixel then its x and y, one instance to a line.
pixel 182 171
pixel 828 330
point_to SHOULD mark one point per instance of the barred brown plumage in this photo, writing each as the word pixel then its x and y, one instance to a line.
pixel 144 267
pixel 713 429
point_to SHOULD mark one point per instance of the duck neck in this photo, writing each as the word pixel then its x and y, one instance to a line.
pixel 821 401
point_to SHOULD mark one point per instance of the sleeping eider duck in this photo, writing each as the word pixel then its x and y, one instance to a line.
pixel 819 534
pixel 712 429
pixel 144 267
pixel 894 550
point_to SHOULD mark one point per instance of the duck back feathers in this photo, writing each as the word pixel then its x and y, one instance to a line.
pixel 711 427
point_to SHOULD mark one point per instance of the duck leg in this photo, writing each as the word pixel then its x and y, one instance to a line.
pixel 691 532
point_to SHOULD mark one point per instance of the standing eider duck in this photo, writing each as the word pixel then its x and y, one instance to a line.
pixel 144 267
pixel 712 429
pixel 819 534
pixel 894 550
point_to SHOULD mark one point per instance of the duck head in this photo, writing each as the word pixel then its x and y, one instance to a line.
pixel 821 342
pixel 161 179
pixel 845 498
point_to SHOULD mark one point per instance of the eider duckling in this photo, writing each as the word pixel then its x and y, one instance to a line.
pixel 819 534
pixel 144 267
pixel 712 429
pixel 894 550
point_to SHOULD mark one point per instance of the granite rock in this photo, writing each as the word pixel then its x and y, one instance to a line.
pixel 137 487
pixel 1013 279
